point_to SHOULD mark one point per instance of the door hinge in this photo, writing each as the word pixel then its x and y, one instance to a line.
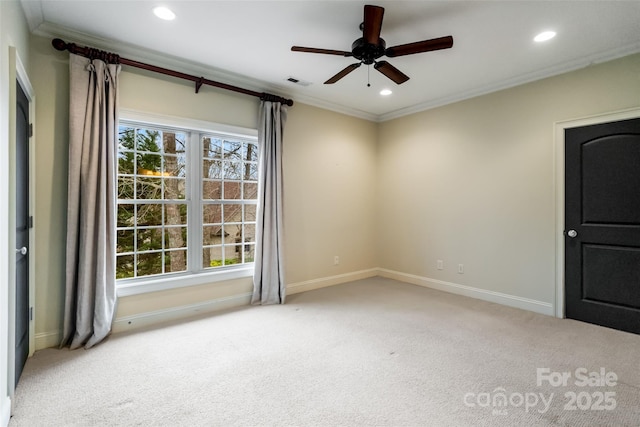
pixel 31 221
pixel 31 314
pixel 30 130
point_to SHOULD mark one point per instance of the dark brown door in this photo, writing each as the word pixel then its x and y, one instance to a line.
pixel 602 224
pixel 22 230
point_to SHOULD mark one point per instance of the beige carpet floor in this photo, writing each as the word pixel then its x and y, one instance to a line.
pixel 374 352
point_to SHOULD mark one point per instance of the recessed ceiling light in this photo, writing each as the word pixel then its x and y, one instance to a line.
pixel 385 92
pixel 544 36
pixel 164 13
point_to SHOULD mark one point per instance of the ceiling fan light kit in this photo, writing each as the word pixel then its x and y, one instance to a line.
pixel 371 47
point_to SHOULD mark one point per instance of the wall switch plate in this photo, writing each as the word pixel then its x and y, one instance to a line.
pixel 460 269
pixel 336 260
pixel 440 264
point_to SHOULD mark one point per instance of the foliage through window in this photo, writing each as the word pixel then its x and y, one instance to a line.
pixel 186 201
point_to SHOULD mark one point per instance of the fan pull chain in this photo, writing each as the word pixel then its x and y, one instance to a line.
pixel 368 75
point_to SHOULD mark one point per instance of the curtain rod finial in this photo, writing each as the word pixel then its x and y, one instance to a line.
pixel 59 44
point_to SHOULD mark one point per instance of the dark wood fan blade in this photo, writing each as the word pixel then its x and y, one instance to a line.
pixel 325 51
pixel 343 73
pixel 372 23
pixel 392 72
pixel 419 47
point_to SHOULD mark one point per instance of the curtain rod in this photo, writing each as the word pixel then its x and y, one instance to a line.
pixel 92 53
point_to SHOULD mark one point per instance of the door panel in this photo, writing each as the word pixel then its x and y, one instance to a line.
pixel 602 206
pixel 610 164
pixel 22 231
pixel 618 267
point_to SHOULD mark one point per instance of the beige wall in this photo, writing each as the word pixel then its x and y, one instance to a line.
pixel 329 163
pixel 473 182
pixel 329 194
pixel 470 183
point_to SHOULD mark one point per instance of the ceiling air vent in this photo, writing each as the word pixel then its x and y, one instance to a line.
pixel 298 81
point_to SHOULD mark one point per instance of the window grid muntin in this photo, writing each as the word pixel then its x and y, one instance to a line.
pixel 136 202
pixel 193 197
pixel 229 157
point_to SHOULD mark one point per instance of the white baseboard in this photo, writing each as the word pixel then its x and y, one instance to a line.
pixel 5 410
pixel 52 338
pixel 323 282
pixel 47 339
pixel 174 313
pixel 468 291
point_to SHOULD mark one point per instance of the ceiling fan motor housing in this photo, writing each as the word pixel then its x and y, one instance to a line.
pixel 367 52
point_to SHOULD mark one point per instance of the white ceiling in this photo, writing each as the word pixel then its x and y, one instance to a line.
pixel 248 43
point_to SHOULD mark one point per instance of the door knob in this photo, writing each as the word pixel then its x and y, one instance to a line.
pixel 572 233
pixel 23 250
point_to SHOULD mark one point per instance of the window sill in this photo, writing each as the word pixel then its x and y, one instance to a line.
pixel 130 287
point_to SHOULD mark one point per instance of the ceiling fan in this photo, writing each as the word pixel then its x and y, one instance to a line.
pixel 370 47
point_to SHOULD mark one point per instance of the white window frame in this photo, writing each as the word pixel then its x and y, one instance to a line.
pixel 140 285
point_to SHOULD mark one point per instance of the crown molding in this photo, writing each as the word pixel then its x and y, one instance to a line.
pixel 326 105
pixel 131 51
pixel 33 13
pixel 137 53
pixel 565 67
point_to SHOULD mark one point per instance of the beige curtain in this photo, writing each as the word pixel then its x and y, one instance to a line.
pixel 269 286
pixel 90 274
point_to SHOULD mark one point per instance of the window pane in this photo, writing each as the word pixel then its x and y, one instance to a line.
pixel 149 214
pixel 148 141
pixel 233 254
pixel 232 190
pixel 125 187
pixel 233 170
pixel 251 172
pixel 175 261
pixel 212 190
pixel 232 150
pixel 126 215
pixel 149 164
pixel 149 263
pixel 250 190
pixel 175 214
pixel 212 148
pixel 173 142
pixel 250 152
pixel 212 257
pixel 250 212
pixel 149 188
pixel 175 237
pixel 125 241
pixel 232 213
pixel 126 137
pixel 232 233
pixel 249 253
pixel 125 267
pixel 212 214
pixel 149 239
pixel 250 233
pixel 212 169
pixel 212 235
pixel 174 188
pixel 174 165
pixel 126 160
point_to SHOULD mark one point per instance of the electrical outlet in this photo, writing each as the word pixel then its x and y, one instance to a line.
pixel 440 264
pixel 336 260
pixel 460 269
